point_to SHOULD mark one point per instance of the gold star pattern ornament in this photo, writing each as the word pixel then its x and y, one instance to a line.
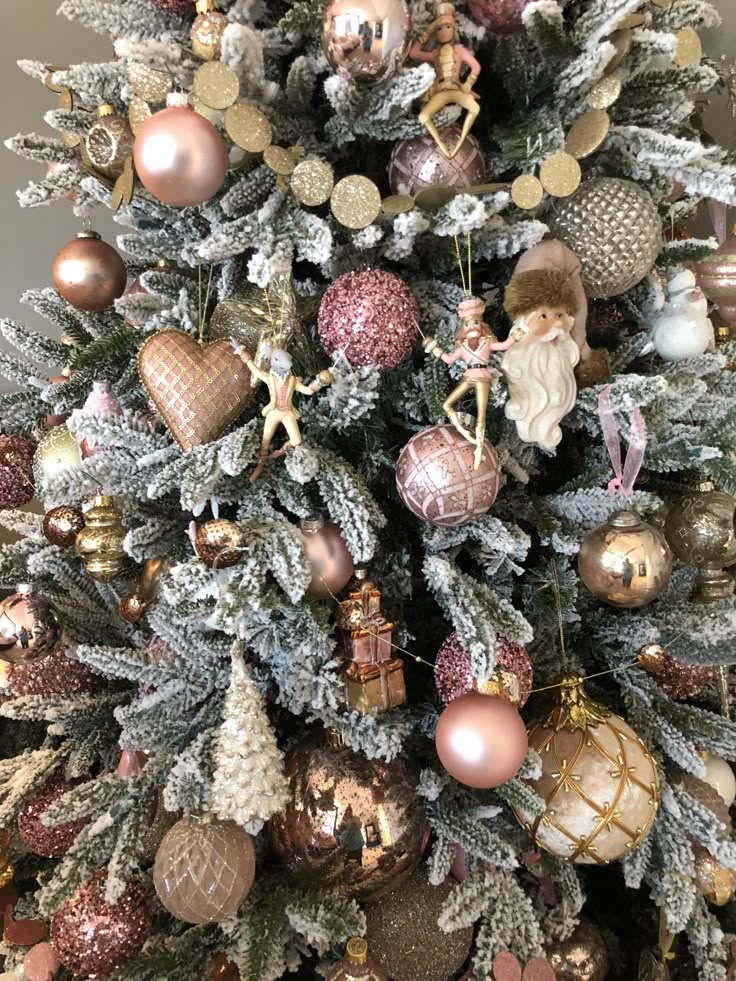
pixel 599 781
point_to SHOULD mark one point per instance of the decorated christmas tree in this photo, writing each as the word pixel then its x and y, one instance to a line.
pixel 378 585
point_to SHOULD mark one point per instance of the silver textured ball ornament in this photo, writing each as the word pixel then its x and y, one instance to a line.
pixel 368 39
pixel 613 227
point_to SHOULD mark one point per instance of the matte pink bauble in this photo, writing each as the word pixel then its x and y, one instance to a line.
pixel 179 156
pixel 499 16
pixel 419 162
pixel 481 740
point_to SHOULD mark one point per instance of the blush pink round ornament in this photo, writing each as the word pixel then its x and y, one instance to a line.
pixel 481 740
pixel 436 480
pixel 101 401
pixel 418 162
pixel 453 676
pixel 179 155
pixel 53 842
pixel 371 317
pixel 499 16
pixel 41 963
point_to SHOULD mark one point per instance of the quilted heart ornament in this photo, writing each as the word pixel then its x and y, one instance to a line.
pixel 199 389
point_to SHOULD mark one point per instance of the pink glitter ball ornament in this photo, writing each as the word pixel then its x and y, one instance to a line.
pixel 419 162
pixel 16 474
pixel 371 316
pixel 499 16
pixel 56 674
pixel 93 937
pixel 49 842
pixel 182 7
pixel 453 676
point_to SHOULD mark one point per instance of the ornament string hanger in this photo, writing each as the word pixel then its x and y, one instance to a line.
pixel 560 619
pixel 203 306
pixel 625 474
pixel 467 281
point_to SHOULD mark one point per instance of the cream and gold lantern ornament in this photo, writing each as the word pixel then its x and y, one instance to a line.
pixel 599 781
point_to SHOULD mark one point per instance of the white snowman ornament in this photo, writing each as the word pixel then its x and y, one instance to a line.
pixel 682 328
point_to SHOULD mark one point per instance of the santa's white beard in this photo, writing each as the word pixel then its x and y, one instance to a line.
pixel 542 386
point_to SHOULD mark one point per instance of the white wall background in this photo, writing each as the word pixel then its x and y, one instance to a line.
pixel 31 238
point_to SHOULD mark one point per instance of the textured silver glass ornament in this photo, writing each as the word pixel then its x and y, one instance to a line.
pixel 613 227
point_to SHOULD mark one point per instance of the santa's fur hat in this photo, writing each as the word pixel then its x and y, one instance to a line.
pixel 528 291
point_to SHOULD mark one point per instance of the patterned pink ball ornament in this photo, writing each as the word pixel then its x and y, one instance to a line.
pixel 93 937
pixel 16 473
pixel 49 842
pixel 436 480
pixel 453 676
pixel 499 16
pixel 418 163
pixel 371 317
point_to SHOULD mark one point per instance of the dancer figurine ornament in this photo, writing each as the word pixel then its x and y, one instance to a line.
pixel 449 60
pixel 280 411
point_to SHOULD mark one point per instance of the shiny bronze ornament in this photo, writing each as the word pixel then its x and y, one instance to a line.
pixel 599 781
pixel 62 524
pixel 717 883
pixel 332 563
pixel 364 54
pixel 109 143
pixel 352 825
pixel 132 608
pixel 219 544
pixel 582 957
pixel 30 627
pixel 625 561
pixel 357 965
pixel 700 530
pixel 153 572
pixel 100 544
pixel 89 273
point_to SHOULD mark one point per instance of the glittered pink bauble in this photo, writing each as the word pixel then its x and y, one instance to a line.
pixel 49 842
pixel 371 316
pixel 56 674
pixel 16 474
pixel 181 7
pixel 93 937
pixel 481 740
pixel 436 480
pixel 41 962
pixel 180 157
pixel 453 676
pixel 418 163
pixel 498 16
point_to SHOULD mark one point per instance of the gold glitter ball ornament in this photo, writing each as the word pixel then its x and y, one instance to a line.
pixel 599 781
pixel 207 31
pixel 560 175
pixel 100 543
pixel 716 882
pixel 109 143
pixel 57 451
pixel 582 957
pixel 62 524
pixel 248 128
pixel 625 561
pixel 404 936
pixel 613 227
pixel 216 85
pixel 312 182
pixel 204 870
pixel 219 544
pixel 352 825
pixel 700 530
pixel 356 202
pixel 30 627
pixel 527 192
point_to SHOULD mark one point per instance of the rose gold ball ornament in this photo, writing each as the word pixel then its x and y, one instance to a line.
pixel 716 882
pixel 352 825
pixel 61 525
pixel 368 40
pixel 179 155
pixel 332 563
pixel 717 278
pixel 582 957
pixel 89 273
pixel 132 608
pixel 436 479
pixel 676 679
pixel 30 627
pixel 599 781
pixel 100 543
pixel 481 740
pixel 204 869
pixel 625 561
pixel 207 31
pixel 700 530
pixel 93 937
pixel 219 544
pixel 55 674
pixel 418 162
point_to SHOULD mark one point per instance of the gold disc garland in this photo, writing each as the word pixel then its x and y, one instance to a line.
pixel 560 175
pixel 216 85
pixel 527 192
pixel 248 128
pixel 356 202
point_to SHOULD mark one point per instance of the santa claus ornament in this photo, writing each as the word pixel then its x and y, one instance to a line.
pixel 682 328
pixel 540 365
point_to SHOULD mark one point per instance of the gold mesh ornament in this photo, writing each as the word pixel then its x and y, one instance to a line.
pixel 599 782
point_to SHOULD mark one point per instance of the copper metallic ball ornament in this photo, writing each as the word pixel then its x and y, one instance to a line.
pixel 332 563
pixel 676 679
pixel 599 781
pixel 89 273
pixel 179 155
pixel 700 530
pixel 418 162
pixel 204 869
pixel 436 479
pixel 30 627
pixel 582 957
pixel 367 39
pixel 219 544
pixel 481 740
pixel 61 525
pixel 352 825
pixel 625 561
pixel 100 543
pixel 716 882
pixel 132 608
pixel 717 278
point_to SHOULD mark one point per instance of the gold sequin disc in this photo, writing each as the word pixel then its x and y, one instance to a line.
pixel 588 133
pixel 633 20
pixel 213 115
pixel 123 191
pixel 71 139
pixel 605 92
pixel 138 112
pixel 279 159
pixel 621 41
pixel 397 204
pixel 689 48
pixel 248 127
pixel 435 197
pixel 664 4
pixel 356 201
pixel 216 85
pixel 312 182
pixel 560 175
pixel 527 192
pixel 66 100
pixel 150 85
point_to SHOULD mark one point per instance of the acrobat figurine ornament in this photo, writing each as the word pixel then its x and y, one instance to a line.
pixel 449 60
pixel 280 411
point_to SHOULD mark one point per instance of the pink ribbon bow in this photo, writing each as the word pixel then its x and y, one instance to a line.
pixel 626 474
